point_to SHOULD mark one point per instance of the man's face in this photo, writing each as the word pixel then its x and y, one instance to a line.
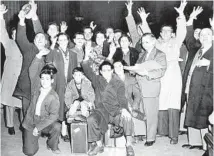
pixel 166 33
pixel 63 41
pixel 117 35
pixel 106 71
pixel 118 68
pixel 46 81
pixel 78 76
pixel 109 32
pixel 148 43
pixel 40 40
pixel 79 40
pixel 100 38
pixel 196 33
pixel 88 34
pixel 52 30
pixel 124 42
pixel 205 36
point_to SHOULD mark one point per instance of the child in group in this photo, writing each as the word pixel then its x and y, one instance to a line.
pixel 79 94
pixel 42 115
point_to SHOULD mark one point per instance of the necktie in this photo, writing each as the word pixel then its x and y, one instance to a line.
pixel 200 54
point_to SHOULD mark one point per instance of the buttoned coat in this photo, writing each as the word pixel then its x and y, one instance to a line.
pixel 200 99
pixel 60 81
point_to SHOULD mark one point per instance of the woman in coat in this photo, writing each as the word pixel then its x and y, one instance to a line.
pixel 12 68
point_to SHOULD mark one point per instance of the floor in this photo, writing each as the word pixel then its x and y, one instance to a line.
pixel 12 146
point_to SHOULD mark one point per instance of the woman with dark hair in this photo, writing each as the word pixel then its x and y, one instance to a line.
pixel 126 52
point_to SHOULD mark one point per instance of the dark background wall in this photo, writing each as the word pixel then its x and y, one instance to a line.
pixel 104 14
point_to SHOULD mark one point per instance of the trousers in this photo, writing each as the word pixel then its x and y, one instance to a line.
pixel 30 142
pixel 94 125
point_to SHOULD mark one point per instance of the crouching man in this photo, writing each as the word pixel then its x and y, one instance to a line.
pixel 111 106
pixel 42 115
pixel 79 94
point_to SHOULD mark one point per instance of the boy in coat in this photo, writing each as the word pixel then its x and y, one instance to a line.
pixel 42 115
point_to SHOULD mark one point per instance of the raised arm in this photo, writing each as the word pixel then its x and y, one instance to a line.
pixel 4 38
pixel 87 69
pixel 131 24
pixel 189 23
pixel 181 23
pixel 143 15
pixel 35 19
pixel 21 37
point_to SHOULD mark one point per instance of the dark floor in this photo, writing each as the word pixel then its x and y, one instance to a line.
pixel 12 146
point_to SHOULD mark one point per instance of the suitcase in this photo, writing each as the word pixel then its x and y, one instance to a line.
pixel 79 141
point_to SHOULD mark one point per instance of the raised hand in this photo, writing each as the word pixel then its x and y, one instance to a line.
pixel 21 15
pixel 196 12
pixel 3 10
pixel 129 7
pixel 143 15
pixel 92 25
pixel 42 52
pixel 32 14
pixel 63 26
pixel 180 10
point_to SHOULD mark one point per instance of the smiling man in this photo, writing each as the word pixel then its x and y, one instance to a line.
pixel 111 106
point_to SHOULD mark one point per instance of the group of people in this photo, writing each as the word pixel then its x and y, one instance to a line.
pixel 114 80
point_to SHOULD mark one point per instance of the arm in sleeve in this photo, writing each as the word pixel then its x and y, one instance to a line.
pixel 53 114
pixel 68 95
pixel 37 26
pixel 22 39
pixel 145 27
pixel 132 29
pixel 4 38
pixel 181 30
pixel 89 72
pixel 158 73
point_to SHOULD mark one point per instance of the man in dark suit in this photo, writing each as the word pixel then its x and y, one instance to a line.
pixel 150 67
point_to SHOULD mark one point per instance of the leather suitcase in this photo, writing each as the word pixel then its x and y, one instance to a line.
pixel 79 141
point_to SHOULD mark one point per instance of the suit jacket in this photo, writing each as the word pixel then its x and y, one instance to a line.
pixel 150 84
pixel 49 111
pixel 60 81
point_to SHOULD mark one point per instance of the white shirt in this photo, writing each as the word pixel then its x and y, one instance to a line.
pixel 42 95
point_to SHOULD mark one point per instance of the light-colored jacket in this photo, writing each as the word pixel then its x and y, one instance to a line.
pixel 71 93
pixel 12 68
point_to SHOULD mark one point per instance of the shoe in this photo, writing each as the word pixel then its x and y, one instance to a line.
pixel 196 147
pixel 11 130
pixel 57 151
pixel 66 138
pixel 182 132
pixel 129 151
pixel 96 150
pixel 92 146
pixel 149 143
pixel 206 153
pixel 186 146
pixel 174 141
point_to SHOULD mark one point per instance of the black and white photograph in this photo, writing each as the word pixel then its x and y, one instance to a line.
pixel 106 78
